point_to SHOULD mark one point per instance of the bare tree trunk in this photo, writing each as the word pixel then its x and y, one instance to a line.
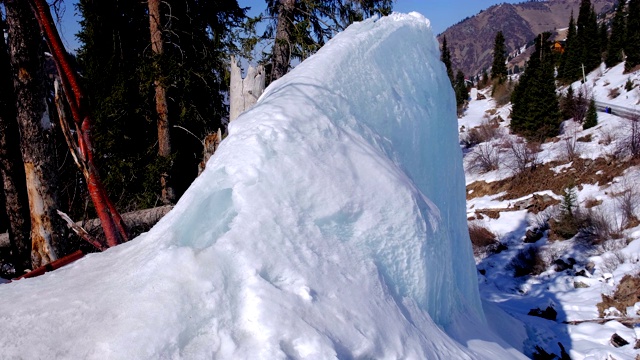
pixel 12 171
pixel 282 44
pixel 164 136
pixel 36 140
pixel 114 227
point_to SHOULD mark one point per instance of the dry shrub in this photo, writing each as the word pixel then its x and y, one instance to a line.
pixel 628 203
pixel 485 158
pixel 591 202
pixel 595 227
pixel 571 149
pixel 614 93
pixel 483 240
pixel 487 130
pixel 630 144
pixel 586 138
pixel 502 93
pixel 606 137
pixel 528 261
pixel 523 156
pixel 627 294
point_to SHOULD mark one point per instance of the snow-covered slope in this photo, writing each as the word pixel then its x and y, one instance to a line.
pixel 599 268
pixel 330 224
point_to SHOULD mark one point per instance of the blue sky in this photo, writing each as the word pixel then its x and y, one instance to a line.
pixel 442 13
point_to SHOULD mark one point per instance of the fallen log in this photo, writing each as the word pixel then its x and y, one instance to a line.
pixel 56 264
pixel 134 219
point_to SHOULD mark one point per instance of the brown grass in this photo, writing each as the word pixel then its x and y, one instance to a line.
pixel 599 171
pixel 627 294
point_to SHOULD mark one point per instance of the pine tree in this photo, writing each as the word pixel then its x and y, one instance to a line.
pixel 591 119
pixel 462 93
pixel 301 27
pixel 591 41
pixel 445 57
pixel 617 38
pixel 119 68
pixel 603 35
pixel 499 66
pixel 535 112
pixel 632 44
pixel 570 63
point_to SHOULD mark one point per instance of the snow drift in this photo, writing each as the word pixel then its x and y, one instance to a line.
pixel 330 224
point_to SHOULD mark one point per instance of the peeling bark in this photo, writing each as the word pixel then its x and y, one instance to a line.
pixel 36 133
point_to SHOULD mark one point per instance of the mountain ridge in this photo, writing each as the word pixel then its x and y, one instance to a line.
pixel 471 40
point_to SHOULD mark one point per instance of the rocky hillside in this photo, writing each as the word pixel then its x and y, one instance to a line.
pixel 471 40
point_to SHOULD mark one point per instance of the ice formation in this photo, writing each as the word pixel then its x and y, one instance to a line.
pixel 329 224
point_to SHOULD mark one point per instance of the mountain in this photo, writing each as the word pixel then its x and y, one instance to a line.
pixel 471 40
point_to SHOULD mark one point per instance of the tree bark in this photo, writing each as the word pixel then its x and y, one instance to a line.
pixel 282 44
pixel 12 171
pixel 36 140
pixel 162 109
pixel 112 223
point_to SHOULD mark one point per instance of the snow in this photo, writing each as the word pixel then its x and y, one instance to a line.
pixel 330 223
pixel 573 296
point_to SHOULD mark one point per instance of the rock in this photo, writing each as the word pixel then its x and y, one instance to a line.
pixel 561 265
pixel 536 203
pixel 482 271
pixel 618 341
pixel 549 313
pixel 590 267
pixel 580 285
pixel 637 345
pixel 480 97
pixel 500 248
pixel 533 235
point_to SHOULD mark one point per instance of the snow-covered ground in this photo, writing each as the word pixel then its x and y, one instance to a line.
pixel 572 293
pixel 330 223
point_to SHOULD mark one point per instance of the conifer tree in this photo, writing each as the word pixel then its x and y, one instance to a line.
pixel 617 38
pixel 301 27
pixel 445 57
pixel 119 68
pixel 462 93
pixel 591 119
pixel 498 66
pixel 569 69
pixel 632 44
pixel 535 113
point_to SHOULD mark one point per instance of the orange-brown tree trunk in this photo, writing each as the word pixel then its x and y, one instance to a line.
pixel 114 227
pixel 162 109
pixel 36 133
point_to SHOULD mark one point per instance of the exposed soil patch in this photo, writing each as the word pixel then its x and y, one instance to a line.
pixel 582 171
pixel 627 294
